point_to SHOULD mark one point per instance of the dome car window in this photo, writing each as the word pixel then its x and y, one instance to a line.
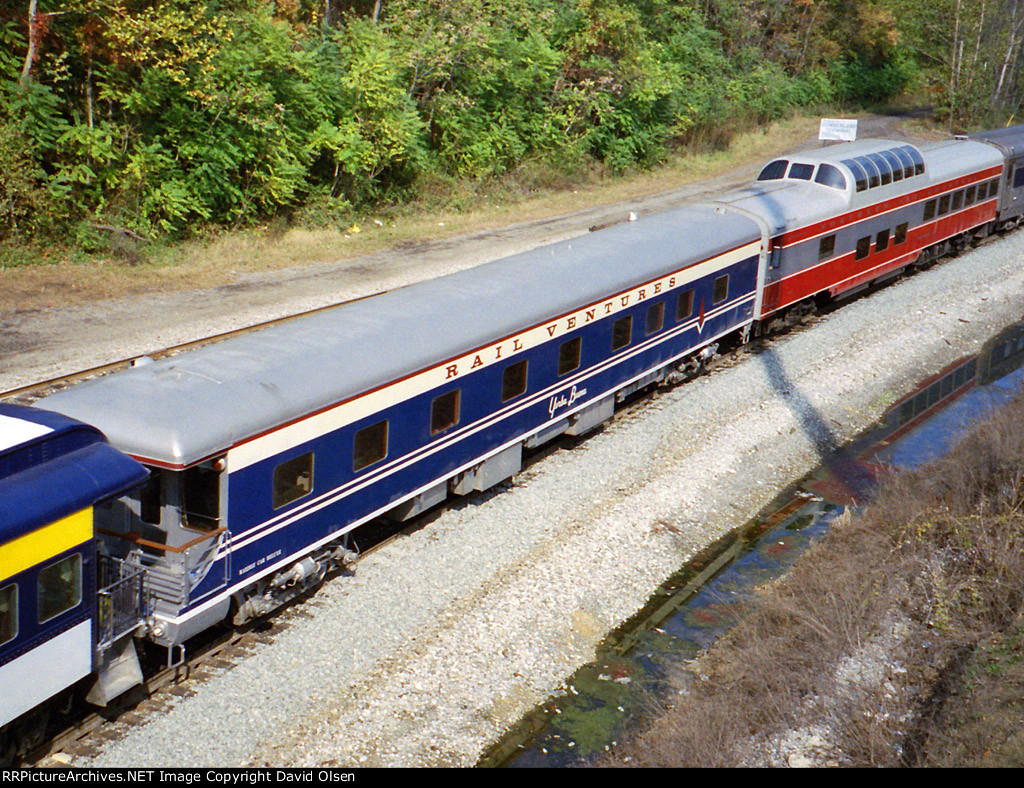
pixel 894 164
pixel 914 157
pixel 293 479
pixel 860 177
pixel 874 178
pixel 884 170
pixel 905 160
pixel 831 176
pixel 801 172
pixel 59 587
pixel 774 170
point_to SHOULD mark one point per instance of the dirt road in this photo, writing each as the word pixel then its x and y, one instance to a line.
pixel 37 344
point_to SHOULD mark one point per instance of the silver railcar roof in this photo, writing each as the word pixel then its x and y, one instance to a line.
pixel 952 158
pixel 787 204
pixel 189 407
pixel 1009 139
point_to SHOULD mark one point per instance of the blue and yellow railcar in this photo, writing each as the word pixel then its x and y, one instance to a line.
pixel 54 472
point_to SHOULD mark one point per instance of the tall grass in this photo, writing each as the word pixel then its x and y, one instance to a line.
pixel 852 657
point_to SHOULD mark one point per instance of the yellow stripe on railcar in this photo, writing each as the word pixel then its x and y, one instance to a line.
pixel 44 543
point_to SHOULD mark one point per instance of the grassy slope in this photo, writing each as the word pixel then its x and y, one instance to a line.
pixel 33 278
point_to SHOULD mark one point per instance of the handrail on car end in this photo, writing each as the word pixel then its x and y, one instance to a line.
pixel 137 538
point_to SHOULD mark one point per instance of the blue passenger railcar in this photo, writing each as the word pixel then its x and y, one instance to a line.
pixel 268 448
pixel 53 472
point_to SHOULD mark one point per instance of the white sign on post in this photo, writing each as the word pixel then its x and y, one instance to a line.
pixel 834 129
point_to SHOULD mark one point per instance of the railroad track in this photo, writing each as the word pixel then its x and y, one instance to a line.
pixel 26 395
pixel 85 734
pixel 87 730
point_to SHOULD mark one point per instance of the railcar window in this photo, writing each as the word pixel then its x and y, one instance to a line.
pixel 831 176
pixel 370 445
pixel 149 498
pixel 655 318
pixel 993 188
pixel 929 209
pixel 911 151
pixel 1018 177
pixel 569 355
pixel 884 170
pixel 721 291
pixel 826 246
pixel 882 241
pixel 444 412
pixel 982 191
pixel 802 172
pixel 958 200
pixel 513 381
pixel 894 164
pixel 859 176
pixel 684 305
pixel 863 248
pixel 200 498
pixel 900 234
pixel 293 479
pixel 906 161
pixel 774 170
pixel 8 613
pixel 622 332
pixel 59 587
pixel 969 194
pixel 874 177
pixel 943 205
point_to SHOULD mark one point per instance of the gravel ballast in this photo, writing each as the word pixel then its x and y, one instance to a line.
pixel 446 637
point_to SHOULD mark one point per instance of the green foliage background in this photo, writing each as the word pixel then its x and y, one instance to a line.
pixel 169 117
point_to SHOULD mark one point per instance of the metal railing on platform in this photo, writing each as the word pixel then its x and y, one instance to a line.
pixel 122 602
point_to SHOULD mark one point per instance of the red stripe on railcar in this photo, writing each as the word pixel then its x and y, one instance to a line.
pixel 845 272
pixel 834 223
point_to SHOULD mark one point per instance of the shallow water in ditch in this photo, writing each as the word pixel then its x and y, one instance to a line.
pixel 698 604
